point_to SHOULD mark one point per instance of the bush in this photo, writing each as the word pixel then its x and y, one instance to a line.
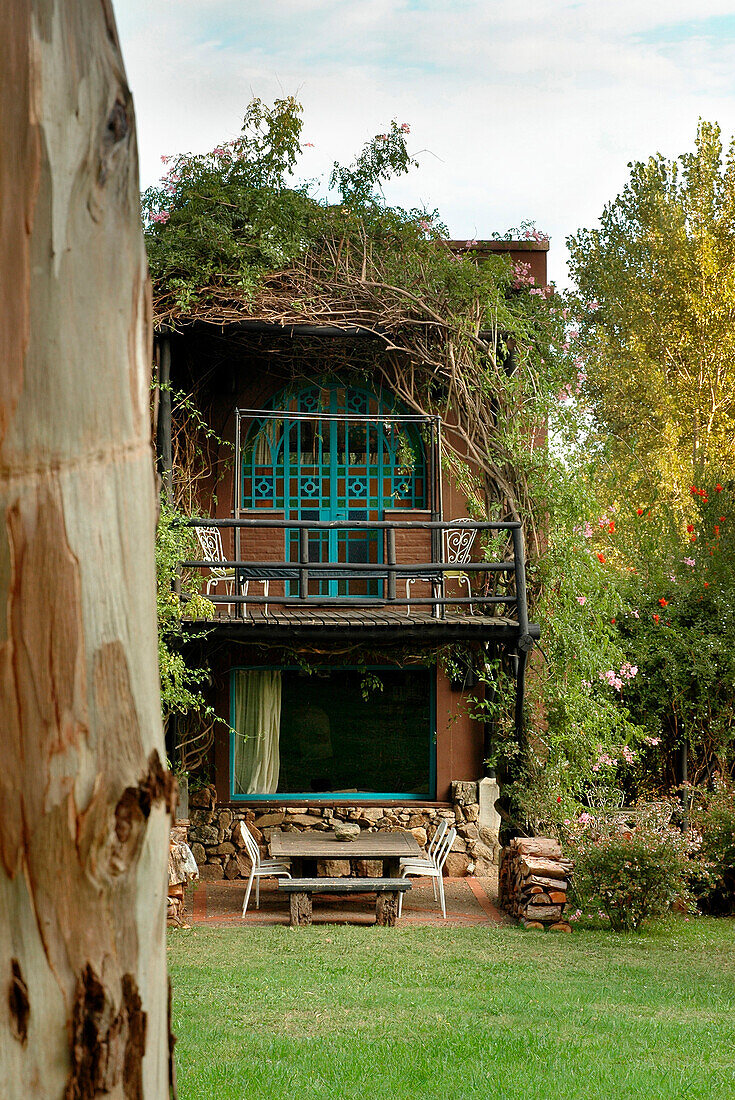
pixel 632 875
pixel 712 816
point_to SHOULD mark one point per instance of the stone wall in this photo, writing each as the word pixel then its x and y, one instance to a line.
pixel 216 841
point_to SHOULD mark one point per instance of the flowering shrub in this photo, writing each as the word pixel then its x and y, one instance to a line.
pixel 712 815
pixel 631 875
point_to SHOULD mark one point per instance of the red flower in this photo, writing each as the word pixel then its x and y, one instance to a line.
pixel 690 527
pixel 663 602
pixel 558 799
pixel 693 538
pixel 601 557
pixel 717 529
pixel 611 527
pixel 706 584
pixel 656 618
pixel 639 511
pixel 693 489
pixel 613 621
pixel 722 519
pixel 718 488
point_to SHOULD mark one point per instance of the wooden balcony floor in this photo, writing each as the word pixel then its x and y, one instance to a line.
pixel 368 622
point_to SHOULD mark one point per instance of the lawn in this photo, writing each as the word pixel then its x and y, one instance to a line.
pixel 345 1012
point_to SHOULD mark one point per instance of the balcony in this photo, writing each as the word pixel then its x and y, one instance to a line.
pixel 364 577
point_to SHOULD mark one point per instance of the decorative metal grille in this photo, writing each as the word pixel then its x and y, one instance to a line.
pixel 315 461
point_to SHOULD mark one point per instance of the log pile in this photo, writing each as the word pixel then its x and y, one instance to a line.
pixel 533 883
pixel 182 869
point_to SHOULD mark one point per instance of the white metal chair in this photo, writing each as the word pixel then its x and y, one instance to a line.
pixel 428 860
pixel 431 848
pixel 210 541
pixel 431 868
pixel 458 544
pixel 260 868
pixel 604 798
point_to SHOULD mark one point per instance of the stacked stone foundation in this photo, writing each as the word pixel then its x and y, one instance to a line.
pixel 215 833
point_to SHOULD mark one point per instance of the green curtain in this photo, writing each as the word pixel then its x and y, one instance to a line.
pixel 257 731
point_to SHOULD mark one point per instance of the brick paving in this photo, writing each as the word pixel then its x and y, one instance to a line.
pixel 470 901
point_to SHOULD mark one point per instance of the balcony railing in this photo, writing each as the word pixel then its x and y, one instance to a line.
pixel 495 585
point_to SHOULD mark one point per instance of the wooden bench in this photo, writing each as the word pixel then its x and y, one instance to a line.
pixel 386 889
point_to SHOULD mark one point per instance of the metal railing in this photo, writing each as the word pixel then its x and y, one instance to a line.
pixel 387 573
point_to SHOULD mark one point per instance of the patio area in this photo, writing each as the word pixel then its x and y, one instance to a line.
pixel 470 901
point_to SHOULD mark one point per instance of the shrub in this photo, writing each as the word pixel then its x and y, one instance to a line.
pixel 632 875
pixel 712 816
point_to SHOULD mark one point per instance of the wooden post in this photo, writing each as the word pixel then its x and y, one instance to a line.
pixel 391 555
pixel 300 908
pixel 304 562
pixel 386 909
pixel 85 801
pixel 164 441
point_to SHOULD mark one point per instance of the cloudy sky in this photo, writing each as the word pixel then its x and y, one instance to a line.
pixel 519 109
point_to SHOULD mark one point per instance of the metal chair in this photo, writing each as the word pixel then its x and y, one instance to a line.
pixel 604 798
pixel 431 849
pixel 457 549
pixel 260 868
pixel 210 541
pixel 431 868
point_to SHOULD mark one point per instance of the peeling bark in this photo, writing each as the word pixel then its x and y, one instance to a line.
pixel 85 801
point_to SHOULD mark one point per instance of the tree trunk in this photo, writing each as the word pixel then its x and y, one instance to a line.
pixel 84 799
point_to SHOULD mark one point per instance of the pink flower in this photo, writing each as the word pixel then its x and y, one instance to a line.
pixel 425 226
pixel 405 128
pixel 471 244
pixel 522 275
pixel 219 152
pixel 593 305
pixel 382 137
pixel 636 614
pixel 537 290
pixel 581 600
pixel 162 217
pixel 689 561
pixel 308 145
pixel 165 160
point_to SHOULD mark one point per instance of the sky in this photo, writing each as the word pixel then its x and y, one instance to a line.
pixel 520 110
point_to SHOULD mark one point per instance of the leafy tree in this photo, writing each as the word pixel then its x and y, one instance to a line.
pixel 656 301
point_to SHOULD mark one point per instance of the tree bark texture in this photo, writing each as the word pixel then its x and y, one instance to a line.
pixel 84 798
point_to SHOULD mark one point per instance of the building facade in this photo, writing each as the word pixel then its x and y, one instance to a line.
pixel 355 597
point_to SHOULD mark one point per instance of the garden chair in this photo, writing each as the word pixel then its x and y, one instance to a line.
pixel 260 868
pixel 210 542
pixel 457 548
pixel 606 799
pixel 433 845
pixel 431 868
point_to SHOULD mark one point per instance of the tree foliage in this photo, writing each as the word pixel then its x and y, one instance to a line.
pixel 656 299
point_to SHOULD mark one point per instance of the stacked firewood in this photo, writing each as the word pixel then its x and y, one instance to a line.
pixel 182 870
pixel 533 883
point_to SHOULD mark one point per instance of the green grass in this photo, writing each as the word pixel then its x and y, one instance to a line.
pixel 345 1012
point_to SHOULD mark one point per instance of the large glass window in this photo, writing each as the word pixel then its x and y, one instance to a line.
pixel 333 732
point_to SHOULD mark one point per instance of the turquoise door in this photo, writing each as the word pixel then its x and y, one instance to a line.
pixel 334 463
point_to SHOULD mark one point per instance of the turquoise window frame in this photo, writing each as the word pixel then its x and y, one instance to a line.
pixel 369 488
pixel 312 796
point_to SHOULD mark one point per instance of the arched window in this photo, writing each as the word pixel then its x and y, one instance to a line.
pixel 330 452
pixel 342 449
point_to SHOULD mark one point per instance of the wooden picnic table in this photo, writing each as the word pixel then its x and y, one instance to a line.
pixel 307 848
